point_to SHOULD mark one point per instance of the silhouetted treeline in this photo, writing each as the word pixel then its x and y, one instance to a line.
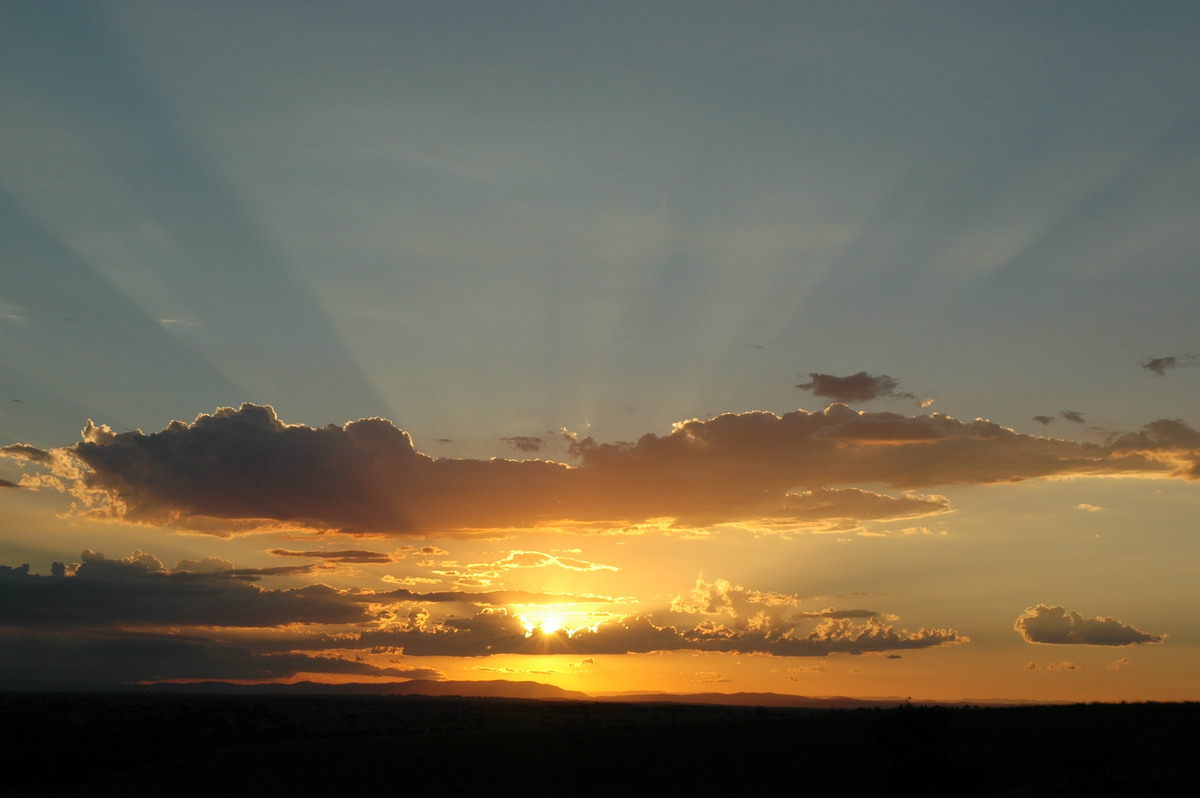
pixel 67 744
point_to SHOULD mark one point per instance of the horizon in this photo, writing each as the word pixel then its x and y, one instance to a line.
pixel 828 350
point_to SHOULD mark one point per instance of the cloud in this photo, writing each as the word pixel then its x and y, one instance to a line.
pixel 1055 626
pixel 860 387
pixel 710 677
pixel 245 469
pixel 1161 365
pixel 136 591
pixel 1089 508
pixel 525 443
pixel 822 504
pixel 482 574
pixel 1043 420
pixel 124 657
pixel 349 555
pixel 498 632
pixel 1074 416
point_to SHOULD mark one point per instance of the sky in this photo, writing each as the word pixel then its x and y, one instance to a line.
pixel 816 348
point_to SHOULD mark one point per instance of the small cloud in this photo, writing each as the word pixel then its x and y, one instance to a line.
pixel 711 677
pixel 1053 625
pixel 1089 508
pixel 860 387
pixel 168 323
pixel 1161 365
pixel 794 674
pixel 1043 419
pixel 1074 416
pixel 411 581
pixel 1117 664
pixel 525 443
pixel 1062 666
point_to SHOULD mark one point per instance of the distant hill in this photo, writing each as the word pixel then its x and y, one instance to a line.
pixel 497 688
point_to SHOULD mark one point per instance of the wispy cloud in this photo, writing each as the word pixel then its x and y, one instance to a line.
pixel 860 387
pixel 1161 365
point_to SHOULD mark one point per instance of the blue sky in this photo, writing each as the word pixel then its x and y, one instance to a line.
pixel 494 222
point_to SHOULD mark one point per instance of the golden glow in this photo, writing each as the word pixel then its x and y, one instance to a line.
pixel 549 620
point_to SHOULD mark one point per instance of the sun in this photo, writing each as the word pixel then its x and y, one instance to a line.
pixel 544 623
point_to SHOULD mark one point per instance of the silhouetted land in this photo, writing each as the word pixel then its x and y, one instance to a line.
pixel 76 744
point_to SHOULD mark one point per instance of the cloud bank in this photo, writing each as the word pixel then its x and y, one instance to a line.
pixel 134 619
pixel 245 469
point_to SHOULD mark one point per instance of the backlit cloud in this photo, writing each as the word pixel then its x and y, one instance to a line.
pixel 1054 625
pixel 245 469
pixel 346 556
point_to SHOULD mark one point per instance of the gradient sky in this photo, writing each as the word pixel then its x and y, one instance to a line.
pixel 823 348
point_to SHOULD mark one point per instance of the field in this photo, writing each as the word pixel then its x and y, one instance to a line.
pixel 185 745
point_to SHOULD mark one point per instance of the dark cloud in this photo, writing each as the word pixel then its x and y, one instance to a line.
pixel 1043 419
pixel 1074 416
pixel 525 443
pixel 105 657
pixel 246 469
pixel 136 591
pixel 1054 625
pixel 1161 365
pixel 860 387
pixel 4 483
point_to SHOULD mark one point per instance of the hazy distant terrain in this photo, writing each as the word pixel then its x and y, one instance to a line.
pixel 141 743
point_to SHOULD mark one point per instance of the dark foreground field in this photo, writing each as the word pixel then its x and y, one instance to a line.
pixel 176 745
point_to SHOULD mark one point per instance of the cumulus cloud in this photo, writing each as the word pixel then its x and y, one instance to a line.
pixel 1055 626
pixel 498 632
pixel 246 469
pixel 860 387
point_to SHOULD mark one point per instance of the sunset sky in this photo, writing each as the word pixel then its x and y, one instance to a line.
pixel 827 348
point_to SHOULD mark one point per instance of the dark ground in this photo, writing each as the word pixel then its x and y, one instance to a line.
pixel 69 744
